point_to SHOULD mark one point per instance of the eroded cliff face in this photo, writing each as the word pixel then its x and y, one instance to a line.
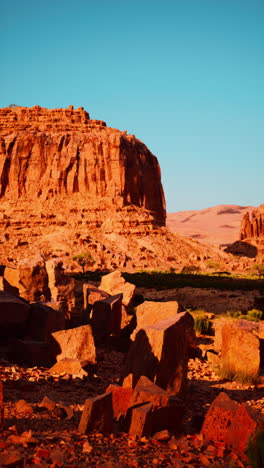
pixel 62 154
pixel 70 185
pixel 252 227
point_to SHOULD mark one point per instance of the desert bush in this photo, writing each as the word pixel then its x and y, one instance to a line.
pixel 84 260
pixel 255 313
pixel 248 317
pixel 255 450
pixel 234 313
pixel 251 315
pixel 224 372
pixel 190 270
pixel 258 269
pixel 202 325
pixel 213 265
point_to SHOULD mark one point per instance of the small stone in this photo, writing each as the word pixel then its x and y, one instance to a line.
pixel 162 435
pixel 23 407
pixel 47 403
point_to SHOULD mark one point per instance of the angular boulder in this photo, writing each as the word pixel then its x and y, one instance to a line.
pixel 246 428
pixel 219 418
pixel 167 410
pixel 141 421
pixel 91 294
pixel 97 415
pixel 74 343
pixel 68 366
pixel 161 353
pixel 238 426
pixel 31 278
pixel 106 316
pixel 151 312
pixel 14 313
pixel 121 397
pixel 240 353
pixel 114 283
pixel 146 391
pixel 30 352
pixel 43 321
pixel 65 290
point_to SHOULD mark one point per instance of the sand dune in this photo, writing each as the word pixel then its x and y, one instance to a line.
pixel 217 225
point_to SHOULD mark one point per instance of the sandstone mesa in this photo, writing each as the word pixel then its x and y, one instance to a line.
pixel 70 184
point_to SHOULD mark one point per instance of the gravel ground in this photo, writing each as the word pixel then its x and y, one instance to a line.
pixel 36 436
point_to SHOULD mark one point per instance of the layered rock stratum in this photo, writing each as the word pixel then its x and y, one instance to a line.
pixel 70 184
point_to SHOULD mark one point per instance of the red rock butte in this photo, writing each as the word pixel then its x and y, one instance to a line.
pixel 52 154
pixel 252 227
pixel 70 184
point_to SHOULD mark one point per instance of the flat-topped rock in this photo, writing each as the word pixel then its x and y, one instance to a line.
pixel 151 312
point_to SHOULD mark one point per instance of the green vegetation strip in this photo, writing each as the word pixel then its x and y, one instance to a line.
pixel 166 280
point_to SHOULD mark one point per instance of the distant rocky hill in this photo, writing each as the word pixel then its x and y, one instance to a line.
pixel 219 225
pixel 71 185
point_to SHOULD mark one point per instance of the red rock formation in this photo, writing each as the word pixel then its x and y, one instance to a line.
pixel 71 185
pixel 46 154
pixel 253 227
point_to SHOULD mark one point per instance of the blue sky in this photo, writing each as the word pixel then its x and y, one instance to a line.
pixel 185 76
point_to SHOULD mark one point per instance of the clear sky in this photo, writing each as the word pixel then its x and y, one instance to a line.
pixel 185 76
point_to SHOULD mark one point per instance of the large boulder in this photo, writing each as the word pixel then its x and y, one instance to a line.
pixel 91 294
pixel 106 316
pixel 141 421
pixel 146 391
pixel 30 352
pixel 14 313
pixel 239 426
pixel 219 418
pixel 240 348
pixel 120 399
pixel 161 353
pixel 97 415
pixel 114 283
pixel 151 312
pixel 43 321
pixel 30 278
pixel 65 290
pixel 246 432
pixel 75 343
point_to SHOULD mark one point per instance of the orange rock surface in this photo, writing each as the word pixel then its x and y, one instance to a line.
pixel 70 184
pixel 253 226
pixel 61 152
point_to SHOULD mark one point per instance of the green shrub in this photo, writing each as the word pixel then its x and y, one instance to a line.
pixel 258 269
pixel 255 450
pixel 234 313
pixel 227 373
pixel 213 265
pixel 84 259
pixel 202 325
pixel 190 270
pixel 248 317
pixel 256 313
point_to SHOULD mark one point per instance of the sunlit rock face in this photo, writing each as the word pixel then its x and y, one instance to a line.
pixel 50 156
pixel 253 226
pixel 70 185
